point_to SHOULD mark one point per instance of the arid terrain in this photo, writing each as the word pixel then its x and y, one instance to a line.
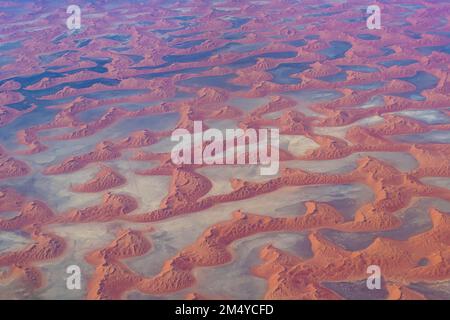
pixel 86 176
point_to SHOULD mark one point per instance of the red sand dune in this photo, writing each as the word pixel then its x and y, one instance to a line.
pixel 11 167
pixel 290 277
pixel 112 207
pixel 105 179
pixel 46 247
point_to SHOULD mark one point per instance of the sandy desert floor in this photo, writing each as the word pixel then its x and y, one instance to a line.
pixel 86 176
